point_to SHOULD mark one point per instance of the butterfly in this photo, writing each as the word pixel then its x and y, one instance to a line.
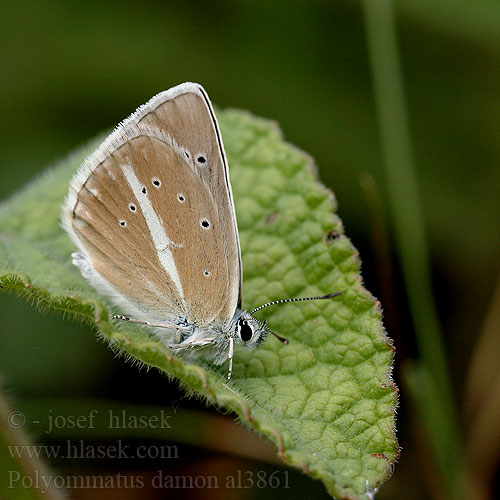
pixel 152 214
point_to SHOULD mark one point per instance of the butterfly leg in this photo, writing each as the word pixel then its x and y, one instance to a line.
pixel 191 344
pixel 206 342
pixel 230 355
pixel 147 323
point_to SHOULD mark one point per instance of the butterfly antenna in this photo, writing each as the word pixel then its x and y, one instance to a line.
pixel 300 299
pixel 263 325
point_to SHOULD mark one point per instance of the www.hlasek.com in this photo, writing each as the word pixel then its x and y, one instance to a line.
pixel 240 480
pixel 80 450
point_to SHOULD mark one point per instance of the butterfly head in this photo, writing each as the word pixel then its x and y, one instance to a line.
pixel 249 331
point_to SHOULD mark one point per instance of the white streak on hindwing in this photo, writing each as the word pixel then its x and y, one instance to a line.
pixel 160 239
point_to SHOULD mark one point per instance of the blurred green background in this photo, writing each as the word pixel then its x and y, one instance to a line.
pixel 69 70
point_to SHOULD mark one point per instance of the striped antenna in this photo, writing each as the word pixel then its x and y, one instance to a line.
pixel 283 301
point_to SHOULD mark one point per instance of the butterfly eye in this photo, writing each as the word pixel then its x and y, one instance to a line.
pixel 246 332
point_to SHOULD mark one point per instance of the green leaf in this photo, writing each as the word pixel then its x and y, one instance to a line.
pixel 326 399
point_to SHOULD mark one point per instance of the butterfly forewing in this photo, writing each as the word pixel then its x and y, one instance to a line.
pixel 110 225
pixel 152 210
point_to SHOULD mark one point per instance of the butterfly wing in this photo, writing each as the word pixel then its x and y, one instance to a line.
pixel 152 211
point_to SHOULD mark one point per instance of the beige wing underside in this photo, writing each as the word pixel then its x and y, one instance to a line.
pixel 152 210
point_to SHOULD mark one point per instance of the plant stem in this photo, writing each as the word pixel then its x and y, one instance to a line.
pixel 411 241
pixel 21 476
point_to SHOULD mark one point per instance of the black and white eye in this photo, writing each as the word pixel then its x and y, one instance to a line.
pixel 206 273
pixel 181 198
pixel 132 207
pixel 122 223
pixel 245 331
pixel 249 331
pixel 205 223
pixel 156 182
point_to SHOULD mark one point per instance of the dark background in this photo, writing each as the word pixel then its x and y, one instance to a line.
pixel 69 70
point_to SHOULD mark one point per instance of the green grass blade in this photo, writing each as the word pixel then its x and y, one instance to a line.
pixel 411 239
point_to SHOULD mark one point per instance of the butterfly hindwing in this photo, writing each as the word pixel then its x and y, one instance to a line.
pixel 152 212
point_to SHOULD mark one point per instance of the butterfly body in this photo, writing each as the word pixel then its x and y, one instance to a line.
pixel 152 213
